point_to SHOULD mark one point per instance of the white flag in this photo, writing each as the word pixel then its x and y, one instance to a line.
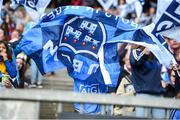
pixel 106 4
pixel 35 8
pixel 168 19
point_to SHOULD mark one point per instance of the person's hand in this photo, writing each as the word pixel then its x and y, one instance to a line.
pixel 7 84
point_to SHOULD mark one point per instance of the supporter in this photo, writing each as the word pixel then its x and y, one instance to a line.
pixel 175 72
pixel 175 75
pixel 21 17
pixel 36 77
pixel 21 63
pixel 148 16
pixel 8 26
pixel 6 9
pixel 7 67
pixel 15 36
pixel 15 41
pixel 166 82
pixel 125 88
pixel 146 78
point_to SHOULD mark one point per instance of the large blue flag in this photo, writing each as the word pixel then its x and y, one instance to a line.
pixel 35 8
pixel 85 41
pixel 168 19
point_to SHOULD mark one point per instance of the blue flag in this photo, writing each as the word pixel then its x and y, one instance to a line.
pixel 93 87
pixel 1 4
pixel 35 8
pixel 168 19
pixel 85 41
pixel 75 37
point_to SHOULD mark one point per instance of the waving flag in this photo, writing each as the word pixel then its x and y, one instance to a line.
pixel 106 4
pixel 84 40
pixel 1 3
pixel 35 8
pixel 168 19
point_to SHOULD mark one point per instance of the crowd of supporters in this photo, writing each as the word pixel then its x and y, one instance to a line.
pixel 142 74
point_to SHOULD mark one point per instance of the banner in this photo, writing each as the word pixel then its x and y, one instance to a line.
pixel 35 8
pixel 85 41
pixel 106 4
pixel 168 22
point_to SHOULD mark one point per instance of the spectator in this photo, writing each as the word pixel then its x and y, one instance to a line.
pixel 21 63
pixel 21 17
pixel 36 77
pixel 175 75
pixel 15 41
pixel 125 88
pixel 8 26
pixel 7 67
pixel 166 83
pixel 15 36
pixel 175 72
pixel 7 9
pixel 146 78
pixel 149 16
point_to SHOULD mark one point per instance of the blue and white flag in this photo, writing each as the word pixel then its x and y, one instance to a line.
pixel 1 4
pixel 35 8
pixel 91 87
pixel 168 19
pixel 85 41
pixel 106 4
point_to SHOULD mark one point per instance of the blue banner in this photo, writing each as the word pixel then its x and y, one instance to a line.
pixel 85 41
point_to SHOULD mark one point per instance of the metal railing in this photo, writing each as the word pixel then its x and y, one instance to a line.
pixel 30 96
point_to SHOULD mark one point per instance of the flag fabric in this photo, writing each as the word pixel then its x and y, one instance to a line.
pixel 106 4
pixel 1 4
pixel 168 19
pixel 134 6
pixel 62 39
pixel 35 8
pixel 85 41
pixel 89 86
